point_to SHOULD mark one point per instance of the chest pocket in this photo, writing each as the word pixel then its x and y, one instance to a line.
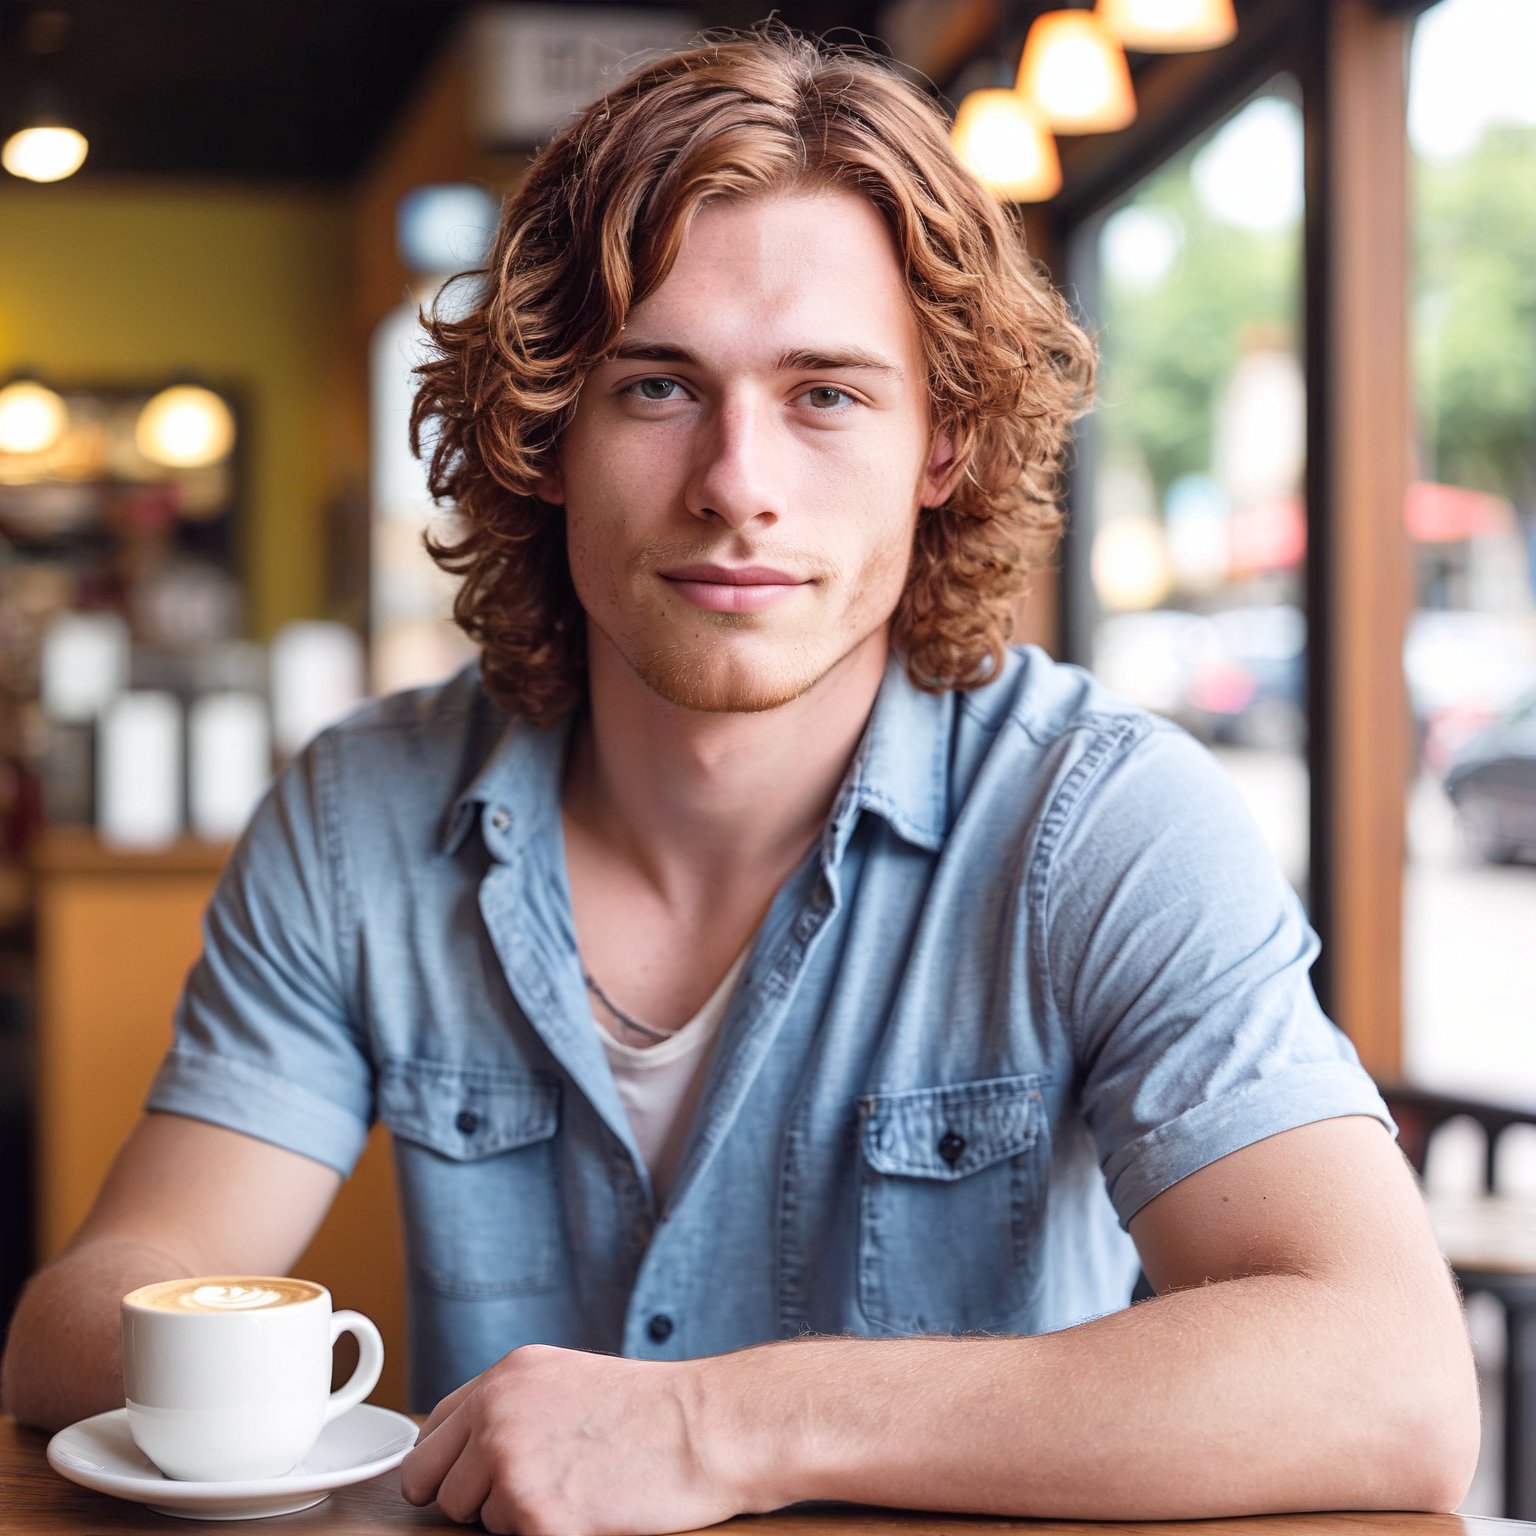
pixel 952 1184
pixel 474 1147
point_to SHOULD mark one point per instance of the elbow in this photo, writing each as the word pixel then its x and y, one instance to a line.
pixel 16 1397
pixel 1438 1434
pixel 15 1400
pixel 1445 1456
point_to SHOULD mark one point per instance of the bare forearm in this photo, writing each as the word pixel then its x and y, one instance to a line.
pixel 63 1358
pixel 1259 1394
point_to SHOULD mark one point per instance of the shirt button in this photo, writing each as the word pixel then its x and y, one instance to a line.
pixel 468 1122
pixel 660 1328
pixel 951 1146
pixel 501 818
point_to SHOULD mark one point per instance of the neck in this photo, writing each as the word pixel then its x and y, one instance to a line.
pixel 700 803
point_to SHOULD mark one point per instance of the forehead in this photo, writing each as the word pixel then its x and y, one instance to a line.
pixel 786 271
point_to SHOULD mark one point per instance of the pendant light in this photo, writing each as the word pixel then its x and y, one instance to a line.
pixel 185 427
pixel 1169 26
pixel 999 137
pixel 44 151
pixel 1073 72
pixel 47 146
pixel 32 417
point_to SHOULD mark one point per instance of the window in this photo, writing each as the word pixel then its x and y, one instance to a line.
pixel 1195 523
pixel 1470 659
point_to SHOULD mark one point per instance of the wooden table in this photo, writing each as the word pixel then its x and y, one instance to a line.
pixel 34 1501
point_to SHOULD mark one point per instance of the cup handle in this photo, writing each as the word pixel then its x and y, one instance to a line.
pixel 370 1361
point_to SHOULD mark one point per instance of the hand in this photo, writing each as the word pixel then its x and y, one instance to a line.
pixel 559 1442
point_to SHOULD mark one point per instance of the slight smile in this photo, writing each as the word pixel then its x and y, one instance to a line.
pixel 733 589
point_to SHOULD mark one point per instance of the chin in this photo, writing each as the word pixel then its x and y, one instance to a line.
pixel 725 685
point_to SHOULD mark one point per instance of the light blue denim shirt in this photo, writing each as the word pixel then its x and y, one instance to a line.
pixel 1039 967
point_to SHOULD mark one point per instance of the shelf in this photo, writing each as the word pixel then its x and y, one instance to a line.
pixel 80 851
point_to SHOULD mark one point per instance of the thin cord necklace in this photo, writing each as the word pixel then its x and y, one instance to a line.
pixel 627 1019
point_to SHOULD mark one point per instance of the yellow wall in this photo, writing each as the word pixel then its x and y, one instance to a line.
pixel 248 288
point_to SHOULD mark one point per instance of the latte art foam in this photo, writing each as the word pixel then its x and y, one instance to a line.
pixel 224 1293
pixel 231 1298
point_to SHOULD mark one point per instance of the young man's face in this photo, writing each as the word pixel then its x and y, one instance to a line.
pixel 767 407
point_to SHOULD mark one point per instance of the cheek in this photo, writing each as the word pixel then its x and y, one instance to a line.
pixel 876 503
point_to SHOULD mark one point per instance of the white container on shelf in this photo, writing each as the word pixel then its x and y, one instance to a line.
pixel 229 762
pixel 84 665
pixel 316 673
pixel 138 770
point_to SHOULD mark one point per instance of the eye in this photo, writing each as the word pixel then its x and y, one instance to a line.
pixel 823 397
pixel 653 389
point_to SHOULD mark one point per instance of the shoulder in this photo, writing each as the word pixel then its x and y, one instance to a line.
pixel 437 732
pixel 389 773
pixel 437 711
pixel 1050 761
pixel 1047 723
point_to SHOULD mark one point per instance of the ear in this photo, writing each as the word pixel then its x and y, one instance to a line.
pixel 551 485
pixel 942 471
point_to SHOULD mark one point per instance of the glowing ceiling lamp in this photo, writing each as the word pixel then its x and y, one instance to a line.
pixel 44 152
pixel 32 417
pixel 1073 72
pixel 1169 26
pixel 1011 151
pixel 185 427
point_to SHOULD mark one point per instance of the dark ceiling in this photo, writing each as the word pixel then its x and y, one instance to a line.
pixel 290 89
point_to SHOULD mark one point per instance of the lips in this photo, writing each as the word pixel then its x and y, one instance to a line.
pixel 734 588
pixel 735 575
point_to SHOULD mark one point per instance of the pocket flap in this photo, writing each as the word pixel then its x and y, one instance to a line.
pixel 947 1133
pixel 466 1112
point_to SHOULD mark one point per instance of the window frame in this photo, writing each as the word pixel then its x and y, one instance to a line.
pixel 1349 59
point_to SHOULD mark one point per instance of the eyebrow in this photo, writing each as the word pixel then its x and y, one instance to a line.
pixel 796 360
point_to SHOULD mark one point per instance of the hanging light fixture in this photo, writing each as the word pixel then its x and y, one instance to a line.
pixel 185 427
pixel 47 147
pixel 45 151
pixel 32 417
pixel 999 137
pixel 1073 72
pixel 1169 26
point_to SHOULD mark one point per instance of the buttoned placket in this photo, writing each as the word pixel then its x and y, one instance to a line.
pixel 656 1321
pixel 543 972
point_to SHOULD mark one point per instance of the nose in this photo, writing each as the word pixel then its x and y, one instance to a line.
pixel 738 470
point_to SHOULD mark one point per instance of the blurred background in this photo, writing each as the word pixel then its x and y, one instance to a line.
pixel 1303 515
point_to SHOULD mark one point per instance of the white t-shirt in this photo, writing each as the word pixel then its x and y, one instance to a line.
pixel 659 1084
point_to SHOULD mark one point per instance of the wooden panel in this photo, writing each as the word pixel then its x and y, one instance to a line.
pixel 116 937
pixel 112 953
pixel 1367 590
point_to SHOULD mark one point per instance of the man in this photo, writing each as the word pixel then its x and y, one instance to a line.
pixel 781 993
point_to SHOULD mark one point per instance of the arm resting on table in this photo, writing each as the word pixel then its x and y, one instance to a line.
pixel 1306 1352
pixel 182 1198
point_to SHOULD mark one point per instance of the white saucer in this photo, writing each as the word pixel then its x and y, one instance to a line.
pixel 99 1453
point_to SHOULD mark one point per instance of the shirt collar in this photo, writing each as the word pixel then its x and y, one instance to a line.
pixel 900 772
pixel 901 769
pixel 519 783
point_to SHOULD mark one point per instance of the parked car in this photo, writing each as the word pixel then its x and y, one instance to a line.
pixel 1152 657
pixel 1492 784
pixel 1464 670
pixel 1252 691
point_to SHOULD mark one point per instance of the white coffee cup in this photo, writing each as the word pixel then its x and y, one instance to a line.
pixel 227 1377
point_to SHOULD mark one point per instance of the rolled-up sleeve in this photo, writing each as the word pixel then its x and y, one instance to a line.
pixel 1179 961
pixel 266 1039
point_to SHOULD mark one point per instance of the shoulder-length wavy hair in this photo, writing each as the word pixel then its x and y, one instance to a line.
pixel 596 226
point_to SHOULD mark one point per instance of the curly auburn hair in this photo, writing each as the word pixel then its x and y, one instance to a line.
pixel 596 226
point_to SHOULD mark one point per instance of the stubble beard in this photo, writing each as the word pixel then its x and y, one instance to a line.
pixel 694 676
pixel 697 673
